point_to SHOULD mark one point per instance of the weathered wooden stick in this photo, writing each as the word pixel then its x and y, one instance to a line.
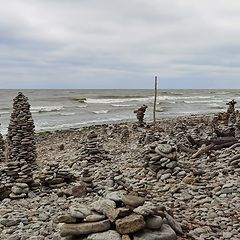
pixel 224 145
pixel 202 150
pixel 155 101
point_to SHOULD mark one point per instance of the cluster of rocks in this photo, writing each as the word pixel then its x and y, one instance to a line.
pixel 92 151
pixel 17 171
pixel 140 113
pixel 14 179
pixel 20 138
pixel 87 180
pixel 55 175
pixel 2 148
pixel 119 216
pixel 161 159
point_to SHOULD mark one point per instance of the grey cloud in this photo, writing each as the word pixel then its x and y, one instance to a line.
pixel 101 44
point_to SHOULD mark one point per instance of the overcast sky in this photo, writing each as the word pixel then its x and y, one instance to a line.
pixel 119 44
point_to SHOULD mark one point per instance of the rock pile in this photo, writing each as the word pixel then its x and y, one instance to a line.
pixel 2 148
pixel 92 151
pixel 119 217
pixel 161 158
pixel 55 175
pixel 125 134
pixel 87 180
pixel 140 113
pixel 20 137
pixel 16 173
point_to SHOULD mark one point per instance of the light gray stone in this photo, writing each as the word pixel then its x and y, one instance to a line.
pixel 78 229
pixel 165 233
pixel 108 235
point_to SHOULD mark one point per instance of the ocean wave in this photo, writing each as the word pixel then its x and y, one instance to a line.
pixel 204 101
pixel 117 100
pixel 4 113
pixel 101 111
pixel 79 124
pixel 80 99
pixel 123 105
pixel 120 96
pixel 82 106
pixel 42 109
pixel 67 114
pixel 171 93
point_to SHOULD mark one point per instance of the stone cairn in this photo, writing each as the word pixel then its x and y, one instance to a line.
pixel 119 217
pixel 87 180
pixel 21 150
pixel 161 158
pixel 231 114
pixel 92 151
pixel 125 134
pixel 140 113
pixel 55 175
pixel 2 148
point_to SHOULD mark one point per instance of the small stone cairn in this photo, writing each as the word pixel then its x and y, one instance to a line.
pixel 125 134
pixel 2 148
pixel 55 175
pixel 21 150
pixel 119 216
pixel 92 151
pixel 140 113
pixel 87 180
pixel 231 112
pixel 161 157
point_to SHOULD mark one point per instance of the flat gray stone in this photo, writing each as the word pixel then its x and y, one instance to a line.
pixel 165 233
pixel 133 201
pixel 80 211
pixel 78 229
pixel 108 235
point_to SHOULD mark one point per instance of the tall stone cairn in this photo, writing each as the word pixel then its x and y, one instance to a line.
pixel 2 148
pixel 20 137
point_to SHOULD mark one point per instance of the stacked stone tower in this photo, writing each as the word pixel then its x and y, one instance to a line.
pixel 21 146
pixel 2 148
pixel 20 137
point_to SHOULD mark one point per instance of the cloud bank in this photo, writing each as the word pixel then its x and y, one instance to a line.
pixel 119 44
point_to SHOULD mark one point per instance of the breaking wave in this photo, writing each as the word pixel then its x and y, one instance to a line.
pixel 101 111
pixel 42 109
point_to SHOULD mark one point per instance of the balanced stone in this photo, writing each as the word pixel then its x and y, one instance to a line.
pixel 108 235
pixel 154 222
pixel 165 233
pixel 2 148
pixel 79 229
pixel 133 201
pixel 130 224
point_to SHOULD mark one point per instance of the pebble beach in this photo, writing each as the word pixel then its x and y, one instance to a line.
pixel 198 195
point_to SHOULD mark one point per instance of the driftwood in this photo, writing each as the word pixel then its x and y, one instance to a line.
pixel 185 149
pixel 224 145
pixel 227 133
pixel 223 140
pixel 202 150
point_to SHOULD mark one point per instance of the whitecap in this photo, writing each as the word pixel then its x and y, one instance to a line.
pixel 101 112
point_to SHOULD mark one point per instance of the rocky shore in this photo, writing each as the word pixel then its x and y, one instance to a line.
pixel 123 181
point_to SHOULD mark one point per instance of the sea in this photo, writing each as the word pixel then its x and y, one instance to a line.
pixel 64 109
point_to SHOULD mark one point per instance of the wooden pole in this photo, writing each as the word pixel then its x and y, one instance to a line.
pixel 155 101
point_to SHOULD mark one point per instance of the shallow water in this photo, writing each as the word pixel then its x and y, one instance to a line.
pixel 61 109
